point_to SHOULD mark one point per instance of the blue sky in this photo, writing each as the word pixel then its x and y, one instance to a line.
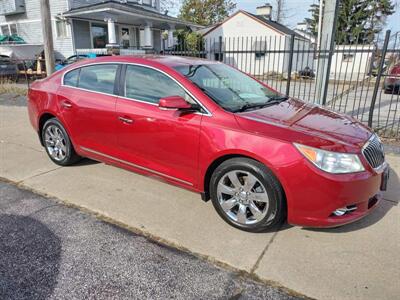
pixel 298 10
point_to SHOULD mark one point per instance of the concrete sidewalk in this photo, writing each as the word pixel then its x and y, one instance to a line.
pixel 358 261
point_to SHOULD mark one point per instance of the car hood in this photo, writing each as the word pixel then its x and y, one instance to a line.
pixel 310 119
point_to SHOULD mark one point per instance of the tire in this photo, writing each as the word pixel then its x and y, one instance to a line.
pixel 258 188
pixel 56 141
pixel 387 91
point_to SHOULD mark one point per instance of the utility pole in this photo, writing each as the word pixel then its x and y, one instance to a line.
pixel 321 11
pixel 327 45
pixel 47 36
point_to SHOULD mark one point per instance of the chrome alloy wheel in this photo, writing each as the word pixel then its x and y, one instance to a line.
pixel 55 142
pixel 242 197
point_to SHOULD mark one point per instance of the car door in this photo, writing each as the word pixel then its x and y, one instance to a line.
pixel 87 102
pixel 165 142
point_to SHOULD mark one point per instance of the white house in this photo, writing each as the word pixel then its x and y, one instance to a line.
pixel 89 25
pixel 351 62
pixel 255 43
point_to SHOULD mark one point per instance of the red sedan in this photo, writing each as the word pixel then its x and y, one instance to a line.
pixel 259 156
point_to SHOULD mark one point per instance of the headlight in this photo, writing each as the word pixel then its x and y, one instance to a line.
pixel 331 162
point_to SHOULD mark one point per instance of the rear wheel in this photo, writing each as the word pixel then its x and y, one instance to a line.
pixel 58 144
pixel 247 195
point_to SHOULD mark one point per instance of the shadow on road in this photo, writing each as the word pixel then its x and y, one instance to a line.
pixel 29 258
pixel 380 211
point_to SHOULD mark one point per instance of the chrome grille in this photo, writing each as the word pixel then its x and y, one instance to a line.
pixel 373 152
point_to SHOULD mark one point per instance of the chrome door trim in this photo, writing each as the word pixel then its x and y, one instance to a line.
pixel 208 113
pixel 135 165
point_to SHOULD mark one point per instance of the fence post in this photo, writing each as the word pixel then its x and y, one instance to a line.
pixel 289 64
pixel 378 78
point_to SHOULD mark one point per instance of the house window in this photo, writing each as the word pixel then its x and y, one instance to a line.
pixel 260 55
pixel 348 57
pixel 5 30
pixel 13 29
pixel 61 29
pixel 99 35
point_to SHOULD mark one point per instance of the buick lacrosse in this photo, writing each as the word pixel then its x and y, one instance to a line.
pixel 260 156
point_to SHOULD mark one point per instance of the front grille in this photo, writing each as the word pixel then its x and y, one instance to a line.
pixel 373 152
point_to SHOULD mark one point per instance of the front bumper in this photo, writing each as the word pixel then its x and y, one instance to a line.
pixel 315 195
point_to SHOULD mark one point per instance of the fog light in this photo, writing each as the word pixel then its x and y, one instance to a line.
pixel 340 211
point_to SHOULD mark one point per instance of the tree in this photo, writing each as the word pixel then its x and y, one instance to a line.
pixel 280 11
pixel 359 20
pixel 206 12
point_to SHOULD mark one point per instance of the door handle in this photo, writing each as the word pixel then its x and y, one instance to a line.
pixel 66 104
pixel 125 120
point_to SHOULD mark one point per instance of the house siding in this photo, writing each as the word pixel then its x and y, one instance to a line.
pixel 244 33
pixel 29 25
pixel 240 33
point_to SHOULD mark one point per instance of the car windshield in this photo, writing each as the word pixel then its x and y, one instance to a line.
pixel 228 87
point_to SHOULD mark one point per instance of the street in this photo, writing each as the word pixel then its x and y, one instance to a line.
pixel 50 251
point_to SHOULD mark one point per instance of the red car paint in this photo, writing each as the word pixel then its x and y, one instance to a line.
pixel 181 148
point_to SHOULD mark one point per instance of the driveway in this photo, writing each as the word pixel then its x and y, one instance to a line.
pixel 357 261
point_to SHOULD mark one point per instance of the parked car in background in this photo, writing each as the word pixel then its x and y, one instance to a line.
pixel 391 84
pixel 8 69
pixel 260 156
pixel 70 60
pixel 307 72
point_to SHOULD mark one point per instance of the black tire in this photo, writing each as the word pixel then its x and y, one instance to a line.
pixel 70 155
pixel 276 211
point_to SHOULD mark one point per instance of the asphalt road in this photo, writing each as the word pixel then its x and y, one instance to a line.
pixel 50 251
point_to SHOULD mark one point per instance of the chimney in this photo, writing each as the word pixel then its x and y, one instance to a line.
pixel 264 11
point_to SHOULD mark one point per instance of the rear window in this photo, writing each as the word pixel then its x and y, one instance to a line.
pixel 97 78
pixel 71 78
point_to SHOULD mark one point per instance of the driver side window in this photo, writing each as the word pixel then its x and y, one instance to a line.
pixel 149 85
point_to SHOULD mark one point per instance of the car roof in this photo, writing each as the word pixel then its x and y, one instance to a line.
pixel 166 60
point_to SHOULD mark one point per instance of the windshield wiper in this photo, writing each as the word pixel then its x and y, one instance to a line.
pixel 277 99
pixel 249 106
pixel 271 101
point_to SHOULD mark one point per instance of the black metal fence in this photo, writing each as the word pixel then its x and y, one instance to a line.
pixel 363 79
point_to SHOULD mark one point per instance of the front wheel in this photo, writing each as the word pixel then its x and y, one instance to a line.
pixel 247 195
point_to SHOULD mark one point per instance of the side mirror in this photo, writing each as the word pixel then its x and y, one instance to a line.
pixel 174 103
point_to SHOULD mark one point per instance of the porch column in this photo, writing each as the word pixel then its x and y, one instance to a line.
pixel 170 40
pixel 112 37
pixel 148 36
pixel 112 46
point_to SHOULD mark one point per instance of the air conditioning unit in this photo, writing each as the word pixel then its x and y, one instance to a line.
pixel 12 7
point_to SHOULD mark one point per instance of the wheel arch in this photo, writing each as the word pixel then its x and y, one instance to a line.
pixel 42 120
pixel 219 160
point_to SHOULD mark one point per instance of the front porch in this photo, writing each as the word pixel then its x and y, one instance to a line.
pixel 131 28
